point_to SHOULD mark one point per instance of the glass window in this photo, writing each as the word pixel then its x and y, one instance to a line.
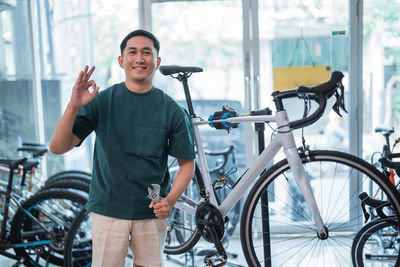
pixel 16 104
pixel 73 34
pixel 312 39
pixel 306 42
pixel 202 37
pixel 70 35
pixel 381 73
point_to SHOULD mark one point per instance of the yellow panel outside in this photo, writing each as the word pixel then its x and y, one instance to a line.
pixel 286 78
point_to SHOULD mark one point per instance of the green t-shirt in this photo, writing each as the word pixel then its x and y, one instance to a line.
pixel 134 135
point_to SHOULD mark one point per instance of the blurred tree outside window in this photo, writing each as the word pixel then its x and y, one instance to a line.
pixel 381 72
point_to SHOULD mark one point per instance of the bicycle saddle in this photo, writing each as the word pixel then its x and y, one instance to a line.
pixel 30 163
pixel 36 151
pixel 12 163
pixel 384 129
pixel 173 69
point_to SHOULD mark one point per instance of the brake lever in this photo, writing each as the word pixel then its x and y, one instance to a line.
pixel 336 106
pixel 339 101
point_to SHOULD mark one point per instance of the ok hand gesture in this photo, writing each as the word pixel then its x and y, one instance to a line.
pixel 80 92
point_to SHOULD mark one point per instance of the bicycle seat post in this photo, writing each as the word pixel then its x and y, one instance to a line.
pixel 183 78
pixel 387 142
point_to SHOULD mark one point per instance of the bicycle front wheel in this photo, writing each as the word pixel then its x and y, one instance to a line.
pixel 276 225
pixel 376 244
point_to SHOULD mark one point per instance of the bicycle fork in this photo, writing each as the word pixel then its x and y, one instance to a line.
pixel 303 183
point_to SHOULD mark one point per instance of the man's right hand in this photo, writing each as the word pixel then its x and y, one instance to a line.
pixel 80 92
pixel 63 139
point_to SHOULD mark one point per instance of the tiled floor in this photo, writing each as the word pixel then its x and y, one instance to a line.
pixel 234 250
pixel 235 257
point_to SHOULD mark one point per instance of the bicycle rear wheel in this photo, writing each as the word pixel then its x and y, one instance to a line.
pixel 55 209
pixel 336 179
pixel 182 234
pixel 78 244
pixel 376 244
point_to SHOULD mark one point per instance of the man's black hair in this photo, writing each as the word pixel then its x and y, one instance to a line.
pixel 140 33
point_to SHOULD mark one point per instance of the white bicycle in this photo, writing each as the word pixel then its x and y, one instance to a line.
pixel 277 227
pixel 328 215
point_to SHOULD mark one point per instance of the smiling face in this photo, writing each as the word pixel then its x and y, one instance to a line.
pixel 140 62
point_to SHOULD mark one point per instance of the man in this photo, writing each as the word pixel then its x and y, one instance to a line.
pixel 136 126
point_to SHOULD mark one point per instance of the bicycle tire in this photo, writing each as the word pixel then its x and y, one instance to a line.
pixel 70 172
pixel 182 234
pixel 78 244
pixel 70 184
pixel 345 176
pixel 376 244
pixel 55 208
pixel 66 177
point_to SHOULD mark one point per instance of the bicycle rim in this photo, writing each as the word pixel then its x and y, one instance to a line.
pixel 336 179
pixel 377 244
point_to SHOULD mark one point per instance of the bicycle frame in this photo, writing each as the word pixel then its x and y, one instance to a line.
pixel 283 139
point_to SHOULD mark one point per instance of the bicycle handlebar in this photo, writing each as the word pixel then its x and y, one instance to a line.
pixel 319 94
pixel 377 204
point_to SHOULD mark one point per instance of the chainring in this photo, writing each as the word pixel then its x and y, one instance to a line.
pixel 207 216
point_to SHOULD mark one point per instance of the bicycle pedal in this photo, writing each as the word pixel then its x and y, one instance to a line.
pixel 215 260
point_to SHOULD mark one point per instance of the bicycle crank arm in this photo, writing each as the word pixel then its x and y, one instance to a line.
pixel 219 258
pixel 210 225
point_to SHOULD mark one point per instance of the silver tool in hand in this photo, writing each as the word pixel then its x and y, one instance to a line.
pixel 154 194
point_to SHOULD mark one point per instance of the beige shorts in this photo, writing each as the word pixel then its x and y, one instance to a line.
pixel 111 241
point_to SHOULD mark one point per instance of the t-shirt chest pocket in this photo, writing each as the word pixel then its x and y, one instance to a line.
pixel 151 142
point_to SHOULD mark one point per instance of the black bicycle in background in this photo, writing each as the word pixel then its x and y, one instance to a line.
pixel 36 227
pixel 36 211
pixel 378 242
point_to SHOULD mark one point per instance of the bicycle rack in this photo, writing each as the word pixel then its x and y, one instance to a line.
pixel 260 128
